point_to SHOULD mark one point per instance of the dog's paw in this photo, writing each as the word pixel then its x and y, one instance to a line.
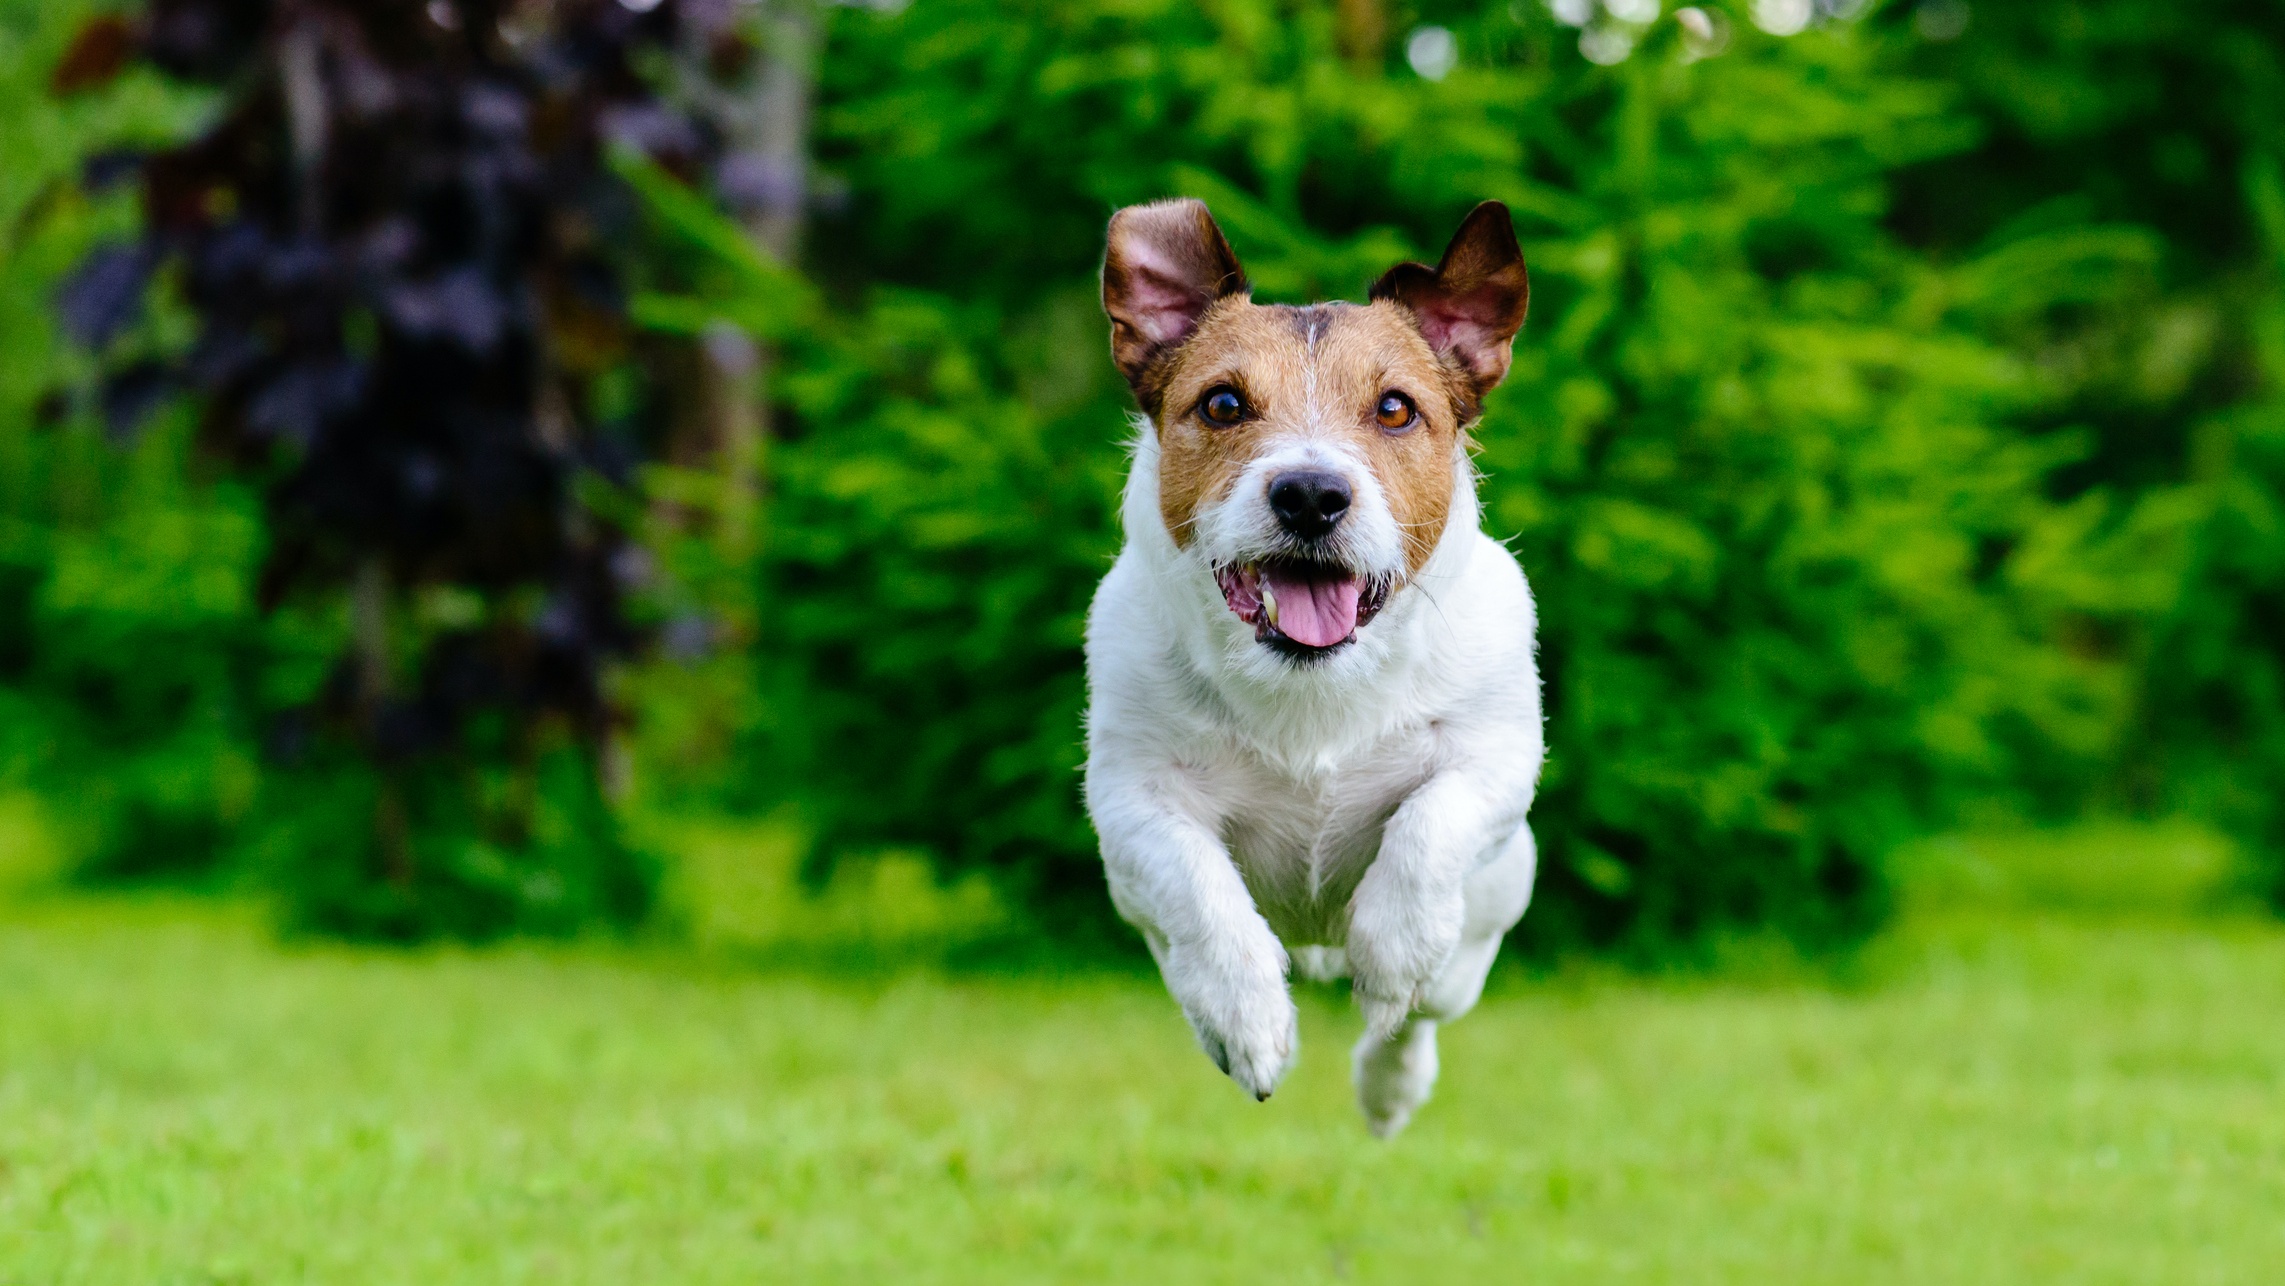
pixel 1397 945
pixel 1394 1076
pixel 1237 1002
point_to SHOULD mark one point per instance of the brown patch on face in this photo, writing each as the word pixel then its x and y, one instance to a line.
pixel 1320 371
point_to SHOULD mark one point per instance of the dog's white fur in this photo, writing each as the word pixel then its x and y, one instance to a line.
pixel 1361 814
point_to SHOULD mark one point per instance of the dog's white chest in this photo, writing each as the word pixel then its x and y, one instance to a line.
pixel 1302 838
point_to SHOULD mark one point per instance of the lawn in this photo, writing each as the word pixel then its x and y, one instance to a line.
pixel 2065 1064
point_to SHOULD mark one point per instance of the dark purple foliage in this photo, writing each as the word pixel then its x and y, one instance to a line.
pixel 106 294
pixel 401 241
pixel 380 237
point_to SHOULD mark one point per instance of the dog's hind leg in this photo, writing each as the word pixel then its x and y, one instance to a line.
pixel 1497 893
pixel 1394 1076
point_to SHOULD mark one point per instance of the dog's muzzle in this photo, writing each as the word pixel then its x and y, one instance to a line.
pixel 1300 606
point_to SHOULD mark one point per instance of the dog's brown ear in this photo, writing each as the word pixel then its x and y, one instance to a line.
pixel 1165 266
pixel 1472 303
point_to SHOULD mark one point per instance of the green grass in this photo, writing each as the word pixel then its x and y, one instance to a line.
pixel 1989 1094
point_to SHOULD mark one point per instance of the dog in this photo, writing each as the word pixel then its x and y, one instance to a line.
pixel 1314 724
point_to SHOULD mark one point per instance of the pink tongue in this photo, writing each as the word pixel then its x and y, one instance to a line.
pixel 1315 613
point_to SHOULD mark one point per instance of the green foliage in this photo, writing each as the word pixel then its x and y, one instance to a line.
pixel 940 504
pixel 933 540
pixel 421 851
pixel 131 660
pixel 1755 487
pixel 1760 471
pixel 2127 194
pixel 1898 432
pixel 137 643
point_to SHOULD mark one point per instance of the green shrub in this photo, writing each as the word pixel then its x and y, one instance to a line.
pixel 1897 432
pixel 2126 197
pixel 1762 477
pixel 130 656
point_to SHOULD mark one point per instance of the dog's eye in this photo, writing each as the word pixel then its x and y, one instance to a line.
pixel 1396 411
pixel 1222 405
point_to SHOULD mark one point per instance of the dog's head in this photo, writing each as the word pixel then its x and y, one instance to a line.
pixel 1308 457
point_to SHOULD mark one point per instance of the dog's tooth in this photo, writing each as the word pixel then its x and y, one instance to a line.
pixel 1269 604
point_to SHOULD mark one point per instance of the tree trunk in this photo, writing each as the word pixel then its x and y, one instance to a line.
pixel 301 73
pixel 369 641
pixel 763 111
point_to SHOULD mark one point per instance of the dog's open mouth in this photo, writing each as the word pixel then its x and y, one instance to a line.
pixel 1302 606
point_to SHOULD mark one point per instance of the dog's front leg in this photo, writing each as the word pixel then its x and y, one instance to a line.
pixel 1172 878
pixel 1407 914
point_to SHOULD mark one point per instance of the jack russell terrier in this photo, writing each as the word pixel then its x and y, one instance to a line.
pixel 1314 725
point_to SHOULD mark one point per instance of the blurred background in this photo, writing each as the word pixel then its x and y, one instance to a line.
pixel 631 472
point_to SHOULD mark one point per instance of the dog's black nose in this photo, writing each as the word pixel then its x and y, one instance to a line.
pixel 1309 504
